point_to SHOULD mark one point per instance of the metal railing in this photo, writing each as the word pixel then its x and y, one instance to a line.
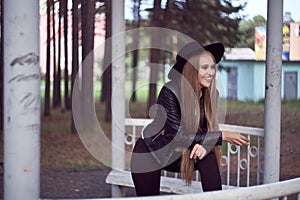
pixel 283 190
pixel 240 165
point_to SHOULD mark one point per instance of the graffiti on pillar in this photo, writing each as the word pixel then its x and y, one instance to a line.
pixel 30 58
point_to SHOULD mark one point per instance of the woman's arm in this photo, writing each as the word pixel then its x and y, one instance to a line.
pixel 235 138
pixel 199 151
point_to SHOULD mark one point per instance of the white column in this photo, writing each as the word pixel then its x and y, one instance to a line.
pixel 273 92
pixel 21 100
pixel 118 89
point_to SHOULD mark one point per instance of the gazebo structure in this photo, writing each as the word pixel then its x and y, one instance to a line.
pixel 272 94
pixel 22 103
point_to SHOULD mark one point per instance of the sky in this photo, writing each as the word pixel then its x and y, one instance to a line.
pixel 253 8
pixel 259 7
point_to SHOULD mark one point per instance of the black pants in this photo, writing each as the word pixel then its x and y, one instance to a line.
pixel 148 183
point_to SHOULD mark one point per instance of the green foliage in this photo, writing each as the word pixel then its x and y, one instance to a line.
pixel 207 21
pixel 246 31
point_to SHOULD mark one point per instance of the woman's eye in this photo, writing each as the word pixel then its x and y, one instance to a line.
pixel 204 67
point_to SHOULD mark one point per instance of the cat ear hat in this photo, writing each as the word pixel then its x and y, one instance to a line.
pixel 191 49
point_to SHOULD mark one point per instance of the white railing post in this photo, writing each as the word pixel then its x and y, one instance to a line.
pixel 273 92
pixel 21 99
pixel 258 162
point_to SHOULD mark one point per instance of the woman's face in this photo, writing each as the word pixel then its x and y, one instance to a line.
pixel 207 70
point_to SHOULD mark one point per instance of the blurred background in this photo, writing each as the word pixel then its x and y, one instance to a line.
pixel 71 29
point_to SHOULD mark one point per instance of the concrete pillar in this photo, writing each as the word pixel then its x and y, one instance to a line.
pixel 21 100
pixel 273 92
pixel 118 89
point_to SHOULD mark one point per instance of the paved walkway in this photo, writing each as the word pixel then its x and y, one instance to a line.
pixel 74 183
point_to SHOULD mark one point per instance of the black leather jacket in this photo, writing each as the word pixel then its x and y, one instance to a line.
pixel 166 135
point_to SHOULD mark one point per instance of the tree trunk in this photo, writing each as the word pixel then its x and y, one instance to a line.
pixel 1 68
pixel 155 55
pixel 54 99
pixel 107 67
pixel 58 77
pixel 66 79
pixel 168 13
pixel 47 76
pixel 136 14
pixel 75 61
pixel 88 20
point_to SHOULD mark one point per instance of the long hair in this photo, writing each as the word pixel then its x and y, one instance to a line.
pixel 190 110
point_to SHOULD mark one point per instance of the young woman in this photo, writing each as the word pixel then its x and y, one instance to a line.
pixel 184 134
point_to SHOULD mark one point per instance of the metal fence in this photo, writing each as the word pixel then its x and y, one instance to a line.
pixel 241 166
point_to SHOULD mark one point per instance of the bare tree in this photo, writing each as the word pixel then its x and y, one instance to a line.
pixel 55 64
pixel 66 74
pixel 88 21
pixel 107 74
pixel 47 77
pixel 154 54
pixel 75 61
pixel 136 14
pixel 1 67
pixel 58 77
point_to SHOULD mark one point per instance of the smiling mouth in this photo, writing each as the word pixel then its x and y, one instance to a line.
pixel 208 79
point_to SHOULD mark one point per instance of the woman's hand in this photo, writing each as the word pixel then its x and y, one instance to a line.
pixel 197 151
pixel 235 138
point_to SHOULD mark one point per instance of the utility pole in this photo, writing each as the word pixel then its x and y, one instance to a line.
pixel 273 92
pixel 21 100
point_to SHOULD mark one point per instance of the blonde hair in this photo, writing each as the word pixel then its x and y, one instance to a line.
pixel 190 92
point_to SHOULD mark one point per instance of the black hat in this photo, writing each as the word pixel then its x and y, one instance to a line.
pixel 191 49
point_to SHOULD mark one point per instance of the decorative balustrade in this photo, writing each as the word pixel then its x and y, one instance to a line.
pixel 241 171
pixel 242 166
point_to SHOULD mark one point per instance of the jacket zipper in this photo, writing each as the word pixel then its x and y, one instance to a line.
pixel 161 133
